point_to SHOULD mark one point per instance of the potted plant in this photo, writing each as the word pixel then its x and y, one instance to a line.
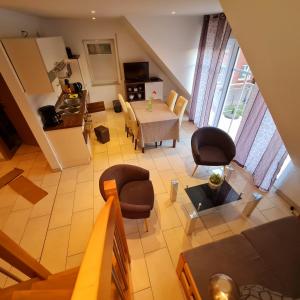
pixel 149 102
pixel 215 180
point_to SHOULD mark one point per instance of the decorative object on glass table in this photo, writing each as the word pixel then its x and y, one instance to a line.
pixel 215 181
pixel 174 190
pixel 222 287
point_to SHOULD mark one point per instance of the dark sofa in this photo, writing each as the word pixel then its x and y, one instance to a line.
pixel 267 255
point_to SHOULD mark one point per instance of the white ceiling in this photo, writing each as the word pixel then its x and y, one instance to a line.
pixel 112 8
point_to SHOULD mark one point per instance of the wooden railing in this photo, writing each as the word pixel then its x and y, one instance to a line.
pixel 104 273
pixel 13 254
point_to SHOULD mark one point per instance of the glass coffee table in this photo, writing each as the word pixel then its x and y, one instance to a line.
pixel 203 197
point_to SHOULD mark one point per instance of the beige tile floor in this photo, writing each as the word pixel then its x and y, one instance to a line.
pixel 55 231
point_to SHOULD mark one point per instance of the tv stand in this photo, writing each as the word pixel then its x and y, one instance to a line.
pixel 141 90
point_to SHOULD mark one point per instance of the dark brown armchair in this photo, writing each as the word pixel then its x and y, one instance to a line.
pixel 135 190
pixel 212 146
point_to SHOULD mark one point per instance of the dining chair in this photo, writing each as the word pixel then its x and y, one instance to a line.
pixel 125 112
pixel 179 108
pixel 171 100
pixel 132 124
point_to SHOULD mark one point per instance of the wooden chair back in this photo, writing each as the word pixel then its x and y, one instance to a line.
pixel 171 100
pixel 180 107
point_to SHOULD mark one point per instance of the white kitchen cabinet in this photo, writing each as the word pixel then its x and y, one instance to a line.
pixel 70 147
pixel 33 58
pixel 53 50
pixel 156 86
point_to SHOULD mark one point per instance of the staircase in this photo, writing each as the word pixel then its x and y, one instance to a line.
pixel 103 275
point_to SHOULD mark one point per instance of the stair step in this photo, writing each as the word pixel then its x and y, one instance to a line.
pixel 62 280
pixel 6 293
pixel 42 295
pixel 72 271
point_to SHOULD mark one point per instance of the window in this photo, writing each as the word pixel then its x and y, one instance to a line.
pixel 244 73
pixel 102 61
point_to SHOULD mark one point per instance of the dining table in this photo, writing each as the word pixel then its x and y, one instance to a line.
pixel 157 123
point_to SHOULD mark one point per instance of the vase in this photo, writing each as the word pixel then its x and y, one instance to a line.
pixel 214 186
pixel 149 105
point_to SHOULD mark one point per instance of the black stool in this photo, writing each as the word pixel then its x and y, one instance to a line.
pixel 102 134
pixel 117 106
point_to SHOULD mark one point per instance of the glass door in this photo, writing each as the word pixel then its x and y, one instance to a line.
pixel 237 96
pixel 235 85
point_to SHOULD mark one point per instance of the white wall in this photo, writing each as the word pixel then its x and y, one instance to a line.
pixel 74 31
pixel 175 40
pixel 289 183
pixel 268 32
pixel 12 22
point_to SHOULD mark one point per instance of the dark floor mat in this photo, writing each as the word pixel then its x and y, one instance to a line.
pixel 8 177
pixel 28 189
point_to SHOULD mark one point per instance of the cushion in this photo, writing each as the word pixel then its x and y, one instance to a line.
pixel 233 256
pixel 258 292
pixel 278 244
pixel 137 198
pixel 210 155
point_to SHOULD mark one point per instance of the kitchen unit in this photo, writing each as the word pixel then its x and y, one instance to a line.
pixel 35 60
pixel 69 139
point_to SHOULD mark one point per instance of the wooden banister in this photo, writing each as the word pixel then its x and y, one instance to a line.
pixel 12 253
pixel 104 272
pixel 104 267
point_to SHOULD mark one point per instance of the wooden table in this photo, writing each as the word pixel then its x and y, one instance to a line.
pixel 156 125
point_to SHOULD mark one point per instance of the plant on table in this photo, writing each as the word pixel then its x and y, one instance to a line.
pixel 149 104
pixel 215 180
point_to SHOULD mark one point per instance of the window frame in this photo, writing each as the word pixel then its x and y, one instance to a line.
pixel 113 43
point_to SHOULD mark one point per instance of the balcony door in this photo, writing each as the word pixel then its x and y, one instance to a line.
pixel 235 86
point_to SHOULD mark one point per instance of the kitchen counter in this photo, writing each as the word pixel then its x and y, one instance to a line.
pixel 74 119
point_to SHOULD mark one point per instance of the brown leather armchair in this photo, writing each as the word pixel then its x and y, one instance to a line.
pixel 135 190
pixel 212 146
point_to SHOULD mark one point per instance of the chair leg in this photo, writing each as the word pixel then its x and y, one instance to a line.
pixel 195 170
pixel 146 225
pixel 155 144
pixel 127 132
pixel 160 143
pixel 132 140
pixel 135 144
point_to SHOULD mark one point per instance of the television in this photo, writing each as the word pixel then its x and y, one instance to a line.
pixel 136 71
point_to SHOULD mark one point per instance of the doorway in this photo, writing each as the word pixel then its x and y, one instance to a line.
pixel 14 129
